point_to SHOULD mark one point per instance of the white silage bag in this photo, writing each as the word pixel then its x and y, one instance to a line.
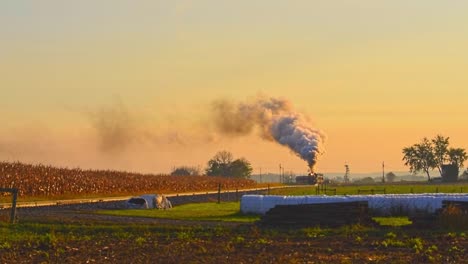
pixel 150 200
pixel 251 203
pixel 382 203
pixel 294 200
pixel 270 202
pixel 311 199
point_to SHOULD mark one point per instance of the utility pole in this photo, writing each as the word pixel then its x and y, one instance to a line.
pixel 282 174
pixel 260 175
pixel 346 176
pixel 383 172
pixel 280 177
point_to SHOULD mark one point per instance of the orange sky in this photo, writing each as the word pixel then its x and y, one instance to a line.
pixel 374 76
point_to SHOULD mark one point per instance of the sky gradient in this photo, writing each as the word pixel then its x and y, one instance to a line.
pixel 375 76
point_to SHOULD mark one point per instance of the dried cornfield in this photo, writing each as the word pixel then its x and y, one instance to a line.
pixel 49 181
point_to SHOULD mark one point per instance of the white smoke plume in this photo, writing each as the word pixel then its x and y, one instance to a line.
pixel 276 120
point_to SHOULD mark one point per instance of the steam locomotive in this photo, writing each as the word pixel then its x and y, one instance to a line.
pixel 312 178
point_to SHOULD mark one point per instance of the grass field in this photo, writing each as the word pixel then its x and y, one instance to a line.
pixel 392 221
pixel 378 189
pixel 228 211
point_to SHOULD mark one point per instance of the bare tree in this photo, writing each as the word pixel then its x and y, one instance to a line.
pixel 223 157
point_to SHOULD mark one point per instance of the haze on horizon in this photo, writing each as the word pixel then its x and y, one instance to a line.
pixel 125 85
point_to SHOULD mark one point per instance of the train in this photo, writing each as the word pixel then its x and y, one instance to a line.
pixel 311 179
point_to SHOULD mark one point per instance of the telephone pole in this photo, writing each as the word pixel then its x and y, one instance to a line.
pixel 280 173
pixel 346 176
pixel 383 172
pixel 260 175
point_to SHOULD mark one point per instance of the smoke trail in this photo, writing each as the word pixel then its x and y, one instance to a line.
pixel 119 130
pixel 115 128
pixel 276 120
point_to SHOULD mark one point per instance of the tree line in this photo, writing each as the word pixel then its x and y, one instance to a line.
pixel 431 154
pixel 425 156
pixel 222 164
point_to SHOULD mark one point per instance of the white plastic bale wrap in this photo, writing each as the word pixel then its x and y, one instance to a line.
pixel 150 200
pixel 271 202
pixel 385 204
pixel 251 204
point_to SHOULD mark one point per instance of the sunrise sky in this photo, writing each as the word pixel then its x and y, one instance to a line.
pixel 375 76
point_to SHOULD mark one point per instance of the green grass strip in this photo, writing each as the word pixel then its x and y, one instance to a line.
pixel 228 211
pixel 392 221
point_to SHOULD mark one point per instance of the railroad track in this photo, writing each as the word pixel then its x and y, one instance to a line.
pixel 20 204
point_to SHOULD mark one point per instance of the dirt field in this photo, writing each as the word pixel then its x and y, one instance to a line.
pixel 64 235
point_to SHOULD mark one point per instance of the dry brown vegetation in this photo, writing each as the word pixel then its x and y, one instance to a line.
pixel 49 181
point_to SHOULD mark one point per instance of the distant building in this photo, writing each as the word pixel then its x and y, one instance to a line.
pixel 450 173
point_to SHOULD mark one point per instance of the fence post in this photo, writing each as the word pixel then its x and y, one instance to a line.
pixel 13 206
pixel 437 189
pixel 14 193
pixel 384 191
pixel 219 192
pixel 268 191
